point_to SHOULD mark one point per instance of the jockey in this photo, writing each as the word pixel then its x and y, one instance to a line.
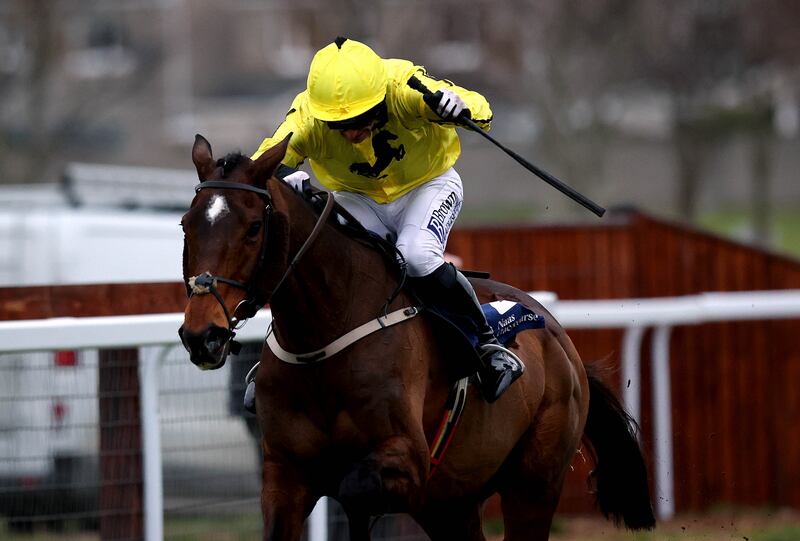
pixel 389 159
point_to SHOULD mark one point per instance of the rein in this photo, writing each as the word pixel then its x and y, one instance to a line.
pixel 207 282
pixel 323 217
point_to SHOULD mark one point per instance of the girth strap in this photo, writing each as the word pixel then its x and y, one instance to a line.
pixel 398 316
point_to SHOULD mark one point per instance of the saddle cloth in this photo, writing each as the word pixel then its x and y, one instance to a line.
pixel 507 318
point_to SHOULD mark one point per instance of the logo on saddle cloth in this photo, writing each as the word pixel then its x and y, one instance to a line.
pixel 507 318
pixel 442 218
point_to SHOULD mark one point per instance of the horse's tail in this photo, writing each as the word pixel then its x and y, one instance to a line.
pixel 620 474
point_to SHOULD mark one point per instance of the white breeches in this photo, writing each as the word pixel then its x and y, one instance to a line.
pixel 418 222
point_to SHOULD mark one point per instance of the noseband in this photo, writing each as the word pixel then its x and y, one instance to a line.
pixel 207 282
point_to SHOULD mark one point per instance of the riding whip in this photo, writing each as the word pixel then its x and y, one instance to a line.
pixel 432 99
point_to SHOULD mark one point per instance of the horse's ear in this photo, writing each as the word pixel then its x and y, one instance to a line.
pixel 202 158
pixel 266 164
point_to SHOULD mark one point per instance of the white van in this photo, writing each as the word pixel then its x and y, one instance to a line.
pixel 44 246
pixel 48 400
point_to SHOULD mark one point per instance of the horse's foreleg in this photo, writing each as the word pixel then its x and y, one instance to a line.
pixel 286 501
pixel 389 479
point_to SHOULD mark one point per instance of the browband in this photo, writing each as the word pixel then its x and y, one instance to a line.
pixel 231 186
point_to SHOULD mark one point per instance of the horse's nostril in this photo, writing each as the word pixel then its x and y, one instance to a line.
pixel 185 340
pixel 207 349
pixel 216 337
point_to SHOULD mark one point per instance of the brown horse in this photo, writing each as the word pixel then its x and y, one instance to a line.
pixel 358 426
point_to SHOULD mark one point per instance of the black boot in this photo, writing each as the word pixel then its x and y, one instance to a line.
pixel 448 288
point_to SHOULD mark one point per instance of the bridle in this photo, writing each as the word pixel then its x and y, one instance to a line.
pixel 206 282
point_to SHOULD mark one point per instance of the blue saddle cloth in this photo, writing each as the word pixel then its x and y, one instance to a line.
pixel 507 318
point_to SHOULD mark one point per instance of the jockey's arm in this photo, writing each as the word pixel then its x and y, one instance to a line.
pixel 478 106
pixel 296 152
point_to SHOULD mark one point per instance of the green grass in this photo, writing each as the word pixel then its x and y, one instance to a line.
pixel 44 535
pixel 778 534
pixel 736 223
pixel 214 527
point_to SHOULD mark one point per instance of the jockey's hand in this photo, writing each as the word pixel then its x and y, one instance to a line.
pixel 299 180
pixel 450 106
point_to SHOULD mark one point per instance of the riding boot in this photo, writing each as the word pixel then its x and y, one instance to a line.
pixel 448 288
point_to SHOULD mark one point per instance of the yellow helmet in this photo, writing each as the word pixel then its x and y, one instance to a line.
pixel 346 79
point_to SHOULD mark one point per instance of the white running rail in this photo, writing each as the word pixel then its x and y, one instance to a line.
pixel 634 315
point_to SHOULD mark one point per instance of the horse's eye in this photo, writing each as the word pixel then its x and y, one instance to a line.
pixel 253 230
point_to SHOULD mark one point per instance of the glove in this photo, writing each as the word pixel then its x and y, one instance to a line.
pixel 299 180
pixel 450 105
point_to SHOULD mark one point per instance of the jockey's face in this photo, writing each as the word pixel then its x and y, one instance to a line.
pixel 357 129
pixel 357 135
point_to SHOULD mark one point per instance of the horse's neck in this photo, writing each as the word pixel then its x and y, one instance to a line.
pixel 338 284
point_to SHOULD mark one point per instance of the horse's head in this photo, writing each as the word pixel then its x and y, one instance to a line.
pixel 231 234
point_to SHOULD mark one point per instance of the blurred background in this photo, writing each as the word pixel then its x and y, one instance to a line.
pixel 685 109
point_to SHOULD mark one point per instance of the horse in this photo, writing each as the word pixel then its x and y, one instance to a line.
pixel 357 426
